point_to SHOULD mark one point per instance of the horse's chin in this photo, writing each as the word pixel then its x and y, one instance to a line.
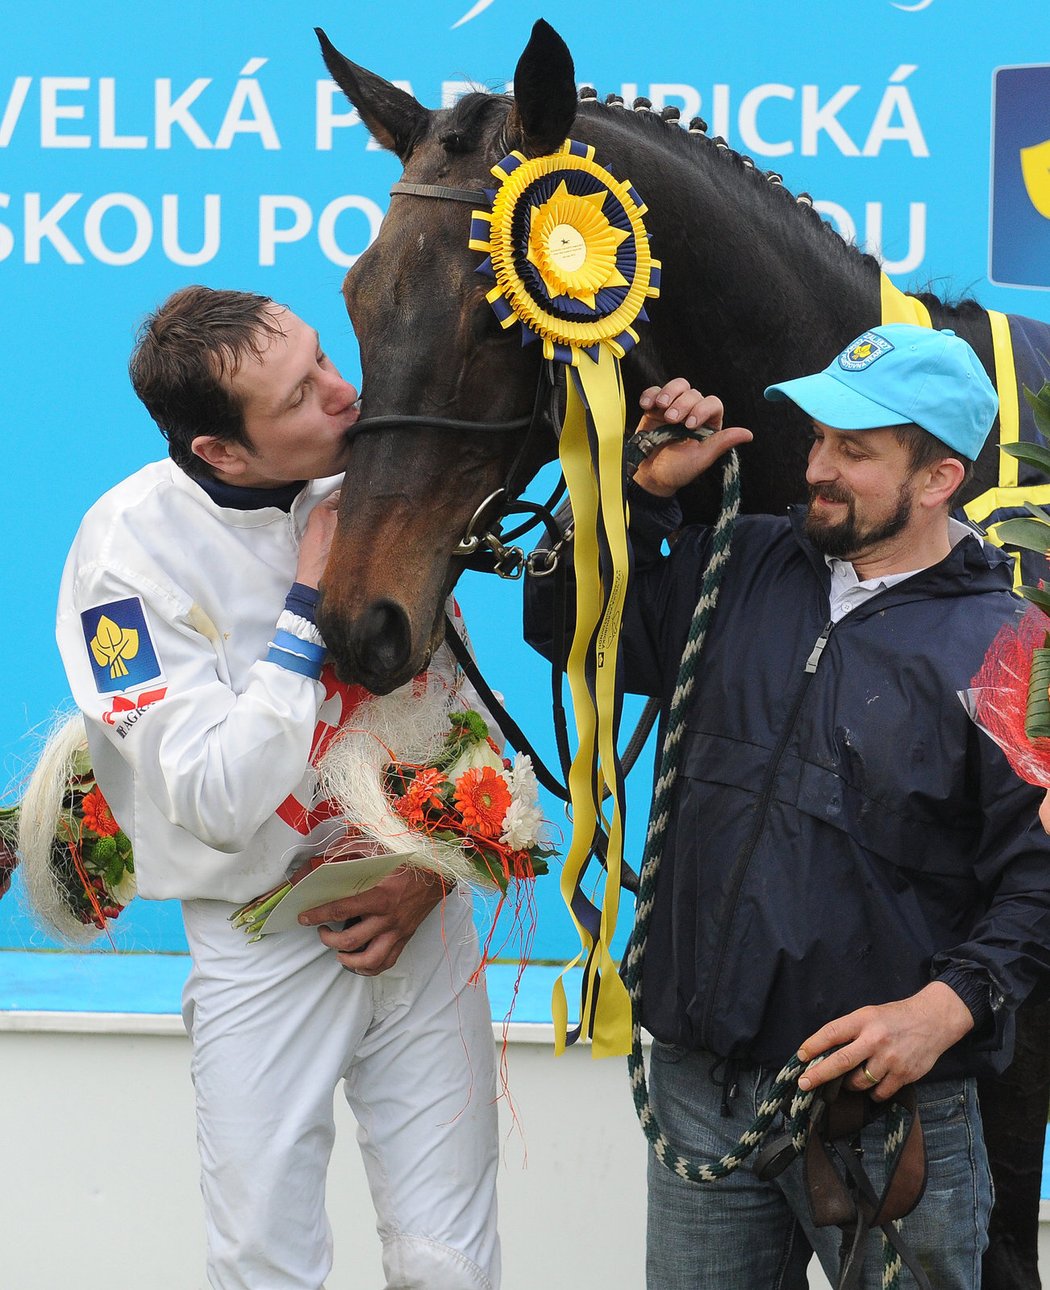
pixel 377 681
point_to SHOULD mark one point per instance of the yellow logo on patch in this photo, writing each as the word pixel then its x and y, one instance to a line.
pixel 861 351
pixel 1035 167
pixel 111 645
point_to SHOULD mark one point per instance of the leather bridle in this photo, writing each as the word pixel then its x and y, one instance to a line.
pixel 483 544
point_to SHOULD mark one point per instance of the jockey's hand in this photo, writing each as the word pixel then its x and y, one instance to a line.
pixel 387 915
pixel 667 469
pixel 317 541
pixel 888 1045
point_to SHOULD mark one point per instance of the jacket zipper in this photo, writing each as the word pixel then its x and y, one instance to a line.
pixel 744 859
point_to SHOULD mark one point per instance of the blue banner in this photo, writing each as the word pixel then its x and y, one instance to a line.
pixel 142 149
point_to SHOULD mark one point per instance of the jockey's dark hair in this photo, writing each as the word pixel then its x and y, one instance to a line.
pixel 184 356
pixel 925 449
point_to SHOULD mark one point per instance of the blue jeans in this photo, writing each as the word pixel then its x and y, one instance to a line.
pixel 744 1234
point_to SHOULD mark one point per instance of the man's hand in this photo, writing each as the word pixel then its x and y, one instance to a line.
pixel 665 471
pixel 317 541
pixel 888 1045
pixel 389 914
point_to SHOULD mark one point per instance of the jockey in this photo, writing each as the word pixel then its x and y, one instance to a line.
pixel 186 624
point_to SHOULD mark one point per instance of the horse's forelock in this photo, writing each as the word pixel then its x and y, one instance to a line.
pixel 464 128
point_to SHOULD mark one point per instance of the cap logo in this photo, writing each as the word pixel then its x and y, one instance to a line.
pixel 864 351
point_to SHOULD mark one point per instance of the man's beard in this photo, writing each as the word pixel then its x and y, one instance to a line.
pixel 846 538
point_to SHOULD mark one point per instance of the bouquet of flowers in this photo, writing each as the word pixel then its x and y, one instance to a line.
pixel 445 801
pixel 76 861
pixel 1009 698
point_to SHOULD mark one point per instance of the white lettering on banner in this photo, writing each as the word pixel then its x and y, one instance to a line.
pixel 750 139
pixel 328 120
pixel 168 112
pixel 815 122
pixel 107 119
pixel 169 226
pixel 52 111
pixel 40 228
pixel 896 98
pixel 7 238
pixel 873 232
pixel 810 118
pixel 720 126
pixel 818 118
pixel 45 226
pixel 142 221
pixel 274 231
pixel 15 102
pixel 248 94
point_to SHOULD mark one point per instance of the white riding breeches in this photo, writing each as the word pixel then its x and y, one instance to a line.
pixel 275 1025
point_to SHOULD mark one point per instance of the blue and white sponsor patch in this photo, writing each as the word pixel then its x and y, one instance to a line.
pixel 119 646
pixel 864 351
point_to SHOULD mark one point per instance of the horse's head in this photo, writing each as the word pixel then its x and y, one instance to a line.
pixel 431 350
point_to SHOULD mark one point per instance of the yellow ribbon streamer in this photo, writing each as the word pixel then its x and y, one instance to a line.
pixel 597 503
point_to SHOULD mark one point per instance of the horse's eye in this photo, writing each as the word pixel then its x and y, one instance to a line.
pixel 483 323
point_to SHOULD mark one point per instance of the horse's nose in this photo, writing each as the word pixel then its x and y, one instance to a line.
pixel 385 638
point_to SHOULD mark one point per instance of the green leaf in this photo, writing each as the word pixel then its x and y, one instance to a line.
pixel 1037 596
pixel 1037 711
pixel 1038 512
pixel 1032 453
pixel 1030 535
pixel 1040 405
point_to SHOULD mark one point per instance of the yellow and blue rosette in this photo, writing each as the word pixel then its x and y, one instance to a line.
pixel 566 246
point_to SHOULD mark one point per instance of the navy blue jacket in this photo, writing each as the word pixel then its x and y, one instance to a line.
pixel 841 835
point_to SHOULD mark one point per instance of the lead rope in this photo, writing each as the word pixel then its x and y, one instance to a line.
pixel 799 1110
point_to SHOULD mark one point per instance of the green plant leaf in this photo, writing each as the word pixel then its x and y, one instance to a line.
pixel 1040 405
pixel 1032 453
pixel 1037 596
pixel 1030 535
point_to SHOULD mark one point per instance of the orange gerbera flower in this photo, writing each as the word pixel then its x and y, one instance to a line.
pixel 422 793
pixel 97 815
pixel 482 798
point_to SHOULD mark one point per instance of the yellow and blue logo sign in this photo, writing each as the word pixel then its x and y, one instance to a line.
pixel 1020 216
pixel 119 645
pixel 864 351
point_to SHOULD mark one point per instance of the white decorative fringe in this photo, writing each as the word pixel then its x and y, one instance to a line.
pixel 39 821
pixel 401 726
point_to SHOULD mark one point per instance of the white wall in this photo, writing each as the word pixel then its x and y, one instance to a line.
pixel 99 1184
pixel 98 1188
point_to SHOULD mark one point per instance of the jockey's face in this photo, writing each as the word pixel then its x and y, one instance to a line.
pixel 297 410
pixel 862 492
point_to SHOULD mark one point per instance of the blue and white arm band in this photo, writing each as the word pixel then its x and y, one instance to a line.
pixel 297 645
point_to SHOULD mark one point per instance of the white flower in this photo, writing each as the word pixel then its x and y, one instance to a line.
pixel 125 890
pixel 521 825
pixel 475 757
pixel 522 780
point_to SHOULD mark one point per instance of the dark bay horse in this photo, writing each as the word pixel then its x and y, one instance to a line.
pixel 756 288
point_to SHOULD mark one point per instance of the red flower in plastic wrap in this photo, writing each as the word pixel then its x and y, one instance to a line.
pixel 97 815
pixel 998 696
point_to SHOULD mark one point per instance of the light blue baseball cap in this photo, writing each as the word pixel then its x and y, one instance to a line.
pixel 897 375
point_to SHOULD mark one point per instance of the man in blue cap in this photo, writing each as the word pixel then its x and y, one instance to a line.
pixel 850 865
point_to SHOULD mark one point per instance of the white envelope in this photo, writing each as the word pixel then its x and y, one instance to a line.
pixel 331 881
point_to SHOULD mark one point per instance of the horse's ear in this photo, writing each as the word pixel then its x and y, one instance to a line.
pixel 544 94
pixel 395 118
